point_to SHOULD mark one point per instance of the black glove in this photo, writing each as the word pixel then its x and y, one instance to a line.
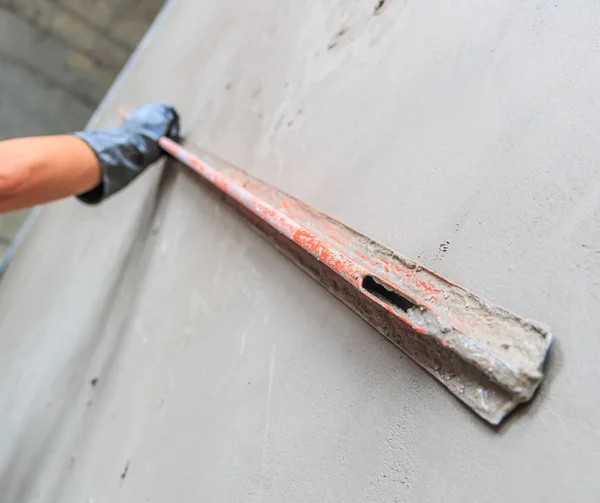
pixel 124 152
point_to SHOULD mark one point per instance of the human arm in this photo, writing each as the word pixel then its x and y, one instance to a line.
pixel 42 169
pixel 91 164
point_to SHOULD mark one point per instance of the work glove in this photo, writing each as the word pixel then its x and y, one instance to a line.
pixel 124 152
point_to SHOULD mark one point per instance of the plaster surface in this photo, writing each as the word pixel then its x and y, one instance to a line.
pixel 156 349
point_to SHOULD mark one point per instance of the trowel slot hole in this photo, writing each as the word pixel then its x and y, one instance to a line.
pixel 374 287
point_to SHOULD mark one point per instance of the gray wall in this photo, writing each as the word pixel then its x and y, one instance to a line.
pixel 57 60
pixel 170 354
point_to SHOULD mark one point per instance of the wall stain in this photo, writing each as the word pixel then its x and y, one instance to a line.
pixel 126 469
pixel 336 38
pixel 379 6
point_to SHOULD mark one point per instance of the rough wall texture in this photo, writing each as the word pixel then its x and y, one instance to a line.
pixel 57 60
pixel 170 354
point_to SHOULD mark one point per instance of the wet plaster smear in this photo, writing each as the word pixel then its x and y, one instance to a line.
pixel 155 349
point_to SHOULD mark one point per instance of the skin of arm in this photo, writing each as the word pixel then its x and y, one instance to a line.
pixel 42 169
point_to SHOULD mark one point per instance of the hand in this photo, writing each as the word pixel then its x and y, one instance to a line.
pixel 124 153
pixel 154 121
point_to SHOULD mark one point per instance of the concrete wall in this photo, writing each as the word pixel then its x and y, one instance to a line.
pixel 57 60
pixel 170 354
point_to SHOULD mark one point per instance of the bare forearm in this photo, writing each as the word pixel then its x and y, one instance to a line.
pixel 93 164
pixel 39 170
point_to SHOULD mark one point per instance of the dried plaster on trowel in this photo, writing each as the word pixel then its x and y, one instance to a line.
pixel 488 357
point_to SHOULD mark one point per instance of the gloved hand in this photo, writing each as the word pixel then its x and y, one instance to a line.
pixel 124 152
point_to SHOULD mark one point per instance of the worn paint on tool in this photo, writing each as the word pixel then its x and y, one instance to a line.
pixel 489 358
pixel 301 236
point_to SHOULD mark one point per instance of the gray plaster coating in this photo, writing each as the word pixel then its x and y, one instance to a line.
pixel 156 349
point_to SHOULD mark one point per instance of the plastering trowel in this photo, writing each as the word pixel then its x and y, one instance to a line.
pixel 490 358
